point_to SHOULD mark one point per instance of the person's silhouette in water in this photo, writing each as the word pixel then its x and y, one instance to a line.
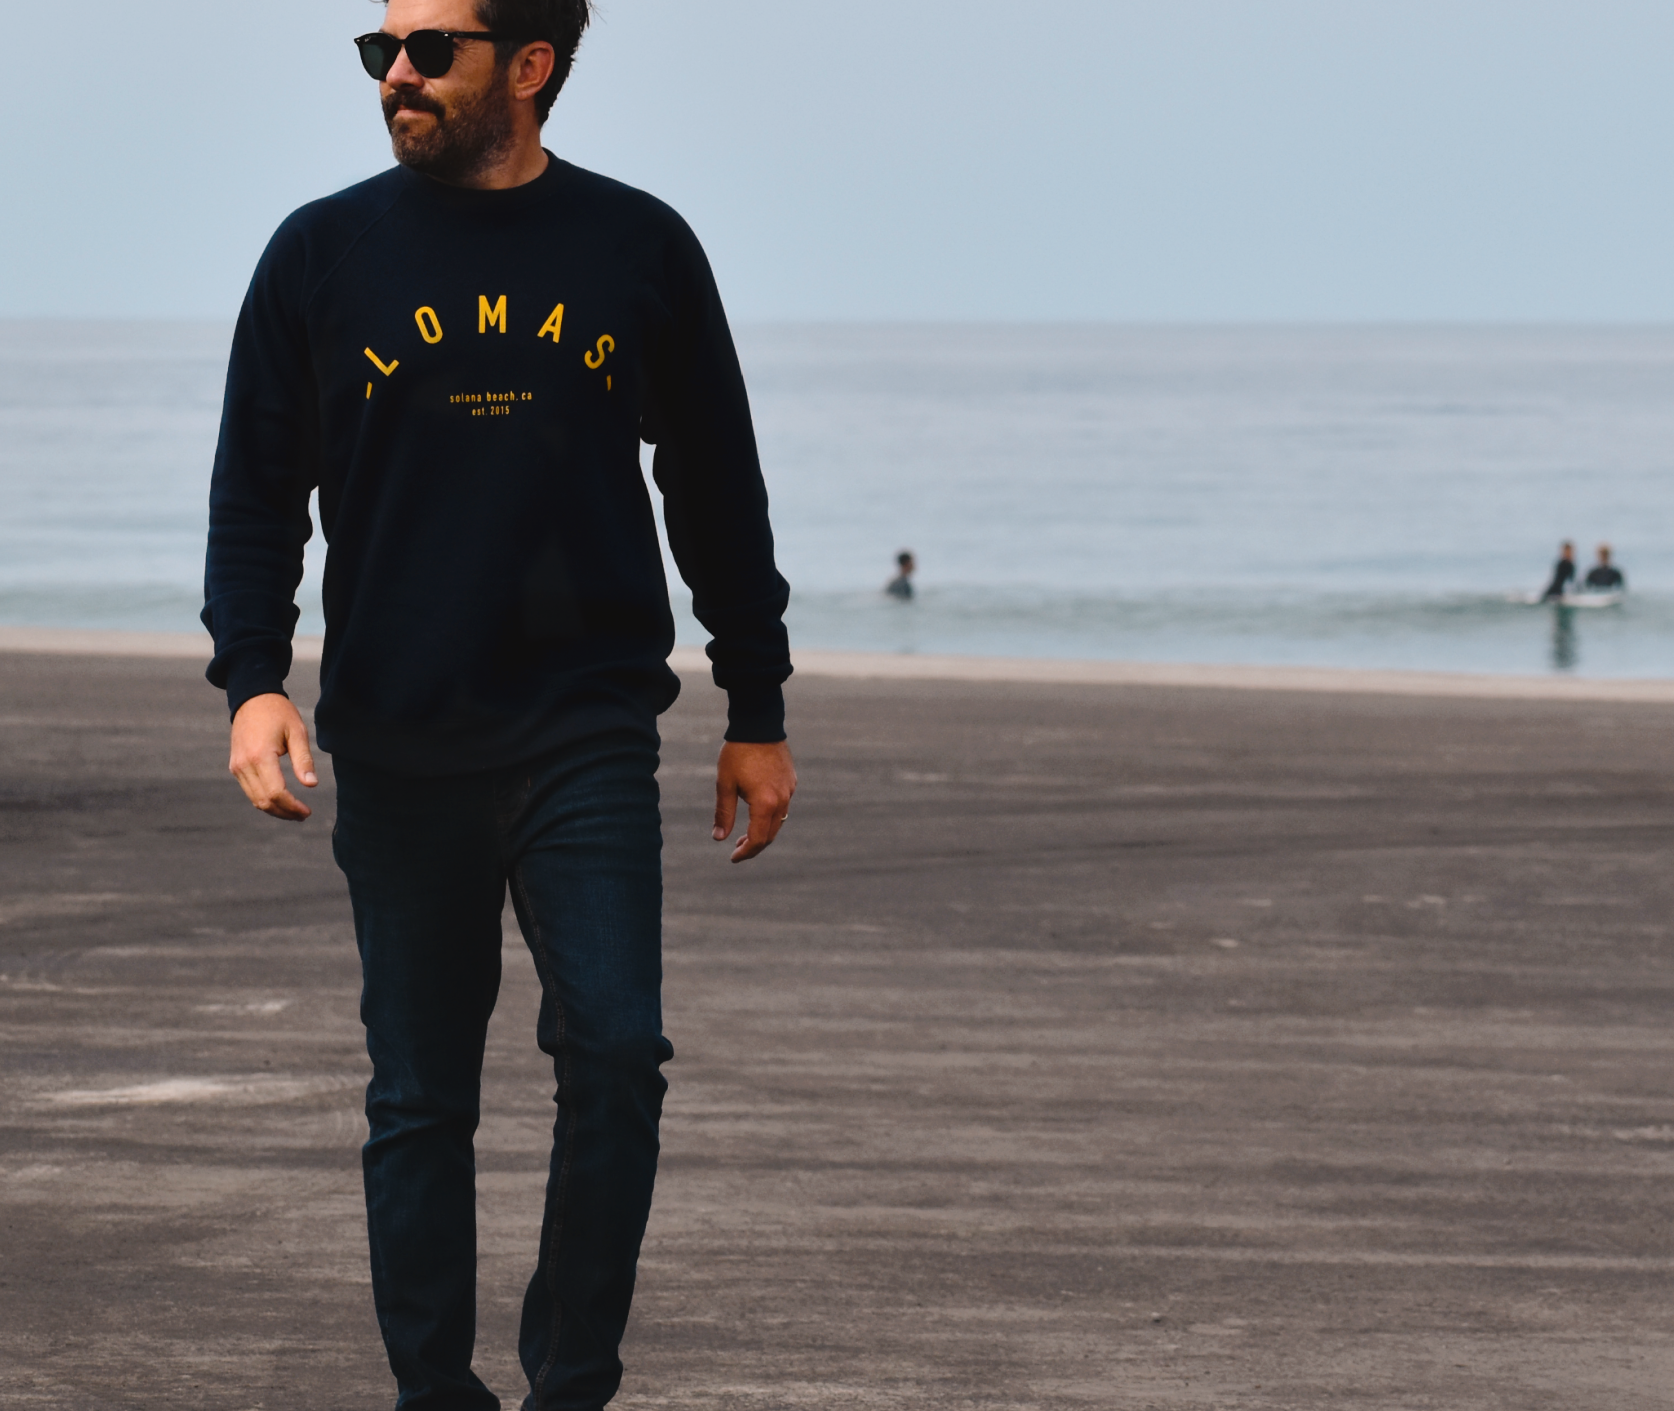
pixel 901 586
pixel 1563 572
pixel 1604 576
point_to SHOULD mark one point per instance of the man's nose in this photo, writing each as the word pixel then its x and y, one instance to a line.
pixel 402 74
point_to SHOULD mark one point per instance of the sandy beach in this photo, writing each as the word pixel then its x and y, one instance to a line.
pixel 1148 1039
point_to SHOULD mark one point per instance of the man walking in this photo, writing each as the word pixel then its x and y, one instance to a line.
pixel 463 355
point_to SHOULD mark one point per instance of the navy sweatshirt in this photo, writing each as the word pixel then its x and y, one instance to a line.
pixel 466 376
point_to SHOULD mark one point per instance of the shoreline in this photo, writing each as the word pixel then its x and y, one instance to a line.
pixel 1042 671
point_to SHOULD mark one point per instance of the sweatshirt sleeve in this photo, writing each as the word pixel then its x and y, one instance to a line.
pixel 715 502
pixel 266 465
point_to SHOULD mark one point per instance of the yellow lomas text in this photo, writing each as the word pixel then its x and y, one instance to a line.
pixel 606 345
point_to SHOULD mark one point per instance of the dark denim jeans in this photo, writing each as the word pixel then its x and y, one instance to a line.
pixel 578 836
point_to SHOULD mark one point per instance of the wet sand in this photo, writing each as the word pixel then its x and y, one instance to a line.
pixel 1082 1044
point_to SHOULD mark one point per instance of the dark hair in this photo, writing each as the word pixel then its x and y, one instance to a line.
pixel 558 22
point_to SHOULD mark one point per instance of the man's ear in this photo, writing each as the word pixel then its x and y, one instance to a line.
pixel 532 69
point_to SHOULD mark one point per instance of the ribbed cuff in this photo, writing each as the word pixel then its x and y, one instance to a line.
pixel 756 715
pixel 248 680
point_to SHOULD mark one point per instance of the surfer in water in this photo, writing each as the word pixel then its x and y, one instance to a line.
pixel 1563 573
pixel 1604 576
pixel 901 586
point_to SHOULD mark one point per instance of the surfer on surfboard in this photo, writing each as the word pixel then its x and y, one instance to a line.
pixel 1604 576
pixel 1603 587
pixel 1563 573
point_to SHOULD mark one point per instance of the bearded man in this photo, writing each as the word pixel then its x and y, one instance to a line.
pixel 462 355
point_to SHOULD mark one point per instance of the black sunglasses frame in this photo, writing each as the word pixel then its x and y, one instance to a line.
pixel 379 50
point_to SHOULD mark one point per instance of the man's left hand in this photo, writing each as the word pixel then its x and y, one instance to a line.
pixel 764 776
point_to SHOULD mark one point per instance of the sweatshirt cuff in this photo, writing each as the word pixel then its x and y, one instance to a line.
pixel 756 715
pixel 250 679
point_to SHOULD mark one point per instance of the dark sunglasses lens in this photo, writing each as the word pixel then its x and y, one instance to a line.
pixel 377 53
pixel 430 52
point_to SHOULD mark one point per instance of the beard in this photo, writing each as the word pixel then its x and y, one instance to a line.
pixel 462 141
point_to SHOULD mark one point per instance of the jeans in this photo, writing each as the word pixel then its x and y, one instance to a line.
pixel 578 837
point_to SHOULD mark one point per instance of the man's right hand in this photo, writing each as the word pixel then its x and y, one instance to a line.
pixel 265 728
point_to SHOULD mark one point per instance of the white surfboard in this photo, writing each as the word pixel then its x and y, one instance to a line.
pixel 1583 599
pixel 1597 598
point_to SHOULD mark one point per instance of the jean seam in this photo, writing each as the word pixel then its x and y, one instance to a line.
pixel 550 1254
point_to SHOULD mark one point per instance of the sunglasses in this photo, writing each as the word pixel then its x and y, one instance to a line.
pixel 430 51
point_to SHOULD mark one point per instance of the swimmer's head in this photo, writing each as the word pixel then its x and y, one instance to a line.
pixel 1604 553
pixel 1569 549
pixel 904 561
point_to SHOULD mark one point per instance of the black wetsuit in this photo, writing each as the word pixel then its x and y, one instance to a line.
pixel 1605 578
pixel 1562 576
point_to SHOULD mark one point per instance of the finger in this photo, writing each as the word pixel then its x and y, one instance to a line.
pixel 726 808
pixel 249 775
pixel 270 781
pixel 766 819
pixel 302 758
pixel 287 806
pixel 264 786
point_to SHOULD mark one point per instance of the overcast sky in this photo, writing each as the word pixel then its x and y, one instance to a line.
pixel 913 159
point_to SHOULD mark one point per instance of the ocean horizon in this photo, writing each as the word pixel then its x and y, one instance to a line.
pixel 1362 496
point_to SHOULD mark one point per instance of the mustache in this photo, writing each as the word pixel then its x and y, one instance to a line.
pixel 413 102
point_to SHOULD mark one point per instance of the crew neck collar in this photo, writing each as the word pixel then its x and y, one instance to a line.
pixel 506 199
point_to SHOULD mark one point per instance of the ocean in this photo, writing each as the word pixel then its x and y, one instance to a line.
pixel 1375 497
